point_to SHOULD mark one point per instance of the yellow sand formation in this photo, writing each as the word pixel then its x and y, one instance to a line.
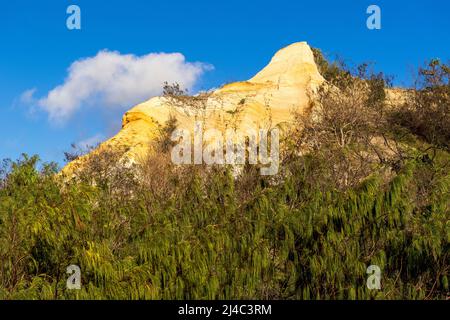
pixel 268 99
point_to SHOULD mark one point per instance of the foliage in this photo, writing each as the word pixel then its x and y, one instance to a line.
pixel 329 71
pixel 158 231
pixel 200 238
pixel 347 128
pixel 426 110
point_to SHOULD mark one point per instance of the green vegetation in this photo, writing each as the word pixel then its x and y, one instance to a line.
pixel 197 232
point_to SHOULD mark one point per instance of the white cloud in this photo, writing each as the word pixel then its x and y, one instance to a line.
pixel 114 80
pixel 27 97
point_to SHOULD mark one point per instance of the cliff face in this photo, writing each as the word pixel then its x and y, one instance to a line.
pixel 268 99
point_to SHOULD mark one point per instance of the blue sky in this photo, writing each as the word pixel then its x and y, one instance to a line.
pixel 238 38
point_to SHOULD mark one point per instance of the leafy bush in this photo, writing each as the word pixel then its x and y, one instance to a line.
pixel 340 203
pixel 201 239
pixel 426 110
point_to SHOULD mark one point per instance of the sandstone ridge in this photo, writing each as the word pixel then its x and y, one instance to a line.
pixel 268 99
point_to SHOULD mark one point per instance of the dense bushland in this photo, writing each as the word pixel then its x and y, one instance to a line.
pixel 342 201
